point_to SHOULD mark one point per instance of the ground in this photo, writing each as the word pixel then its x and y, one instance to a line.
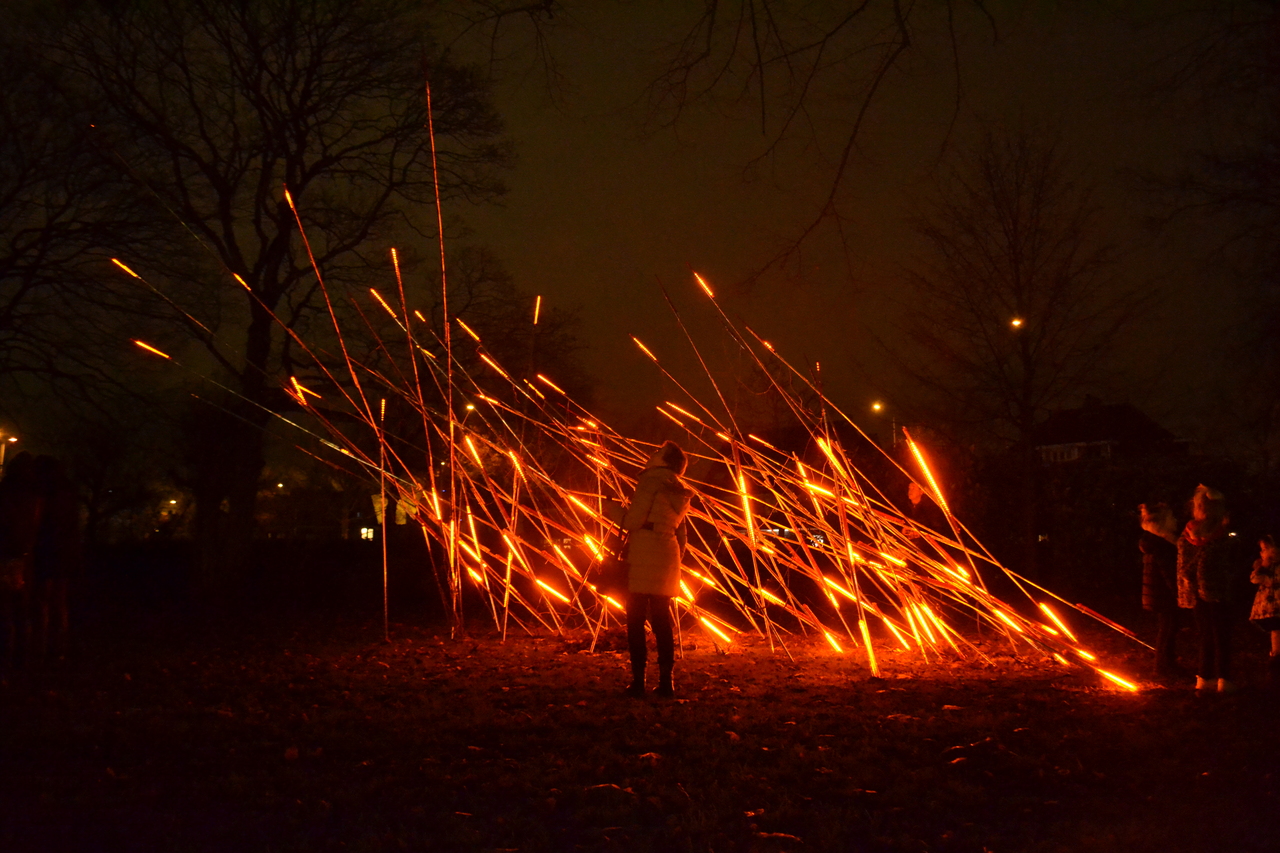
pixel 307 735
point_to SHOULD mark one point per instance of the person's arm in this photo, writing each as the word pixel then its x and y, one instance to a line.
pixel 682 535
pixel 641 502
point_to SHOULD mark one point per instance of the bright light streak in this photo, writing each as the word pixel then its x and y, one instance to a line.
pixel 588 510
pixel 476 576
pixel 544 380
pixel 761 440
pixel 644 348
pixel 494 365
pixel 687 594
pixel 832 641
pixel 831 455
pixel 713 629
pixel 708 581
pixel 593 547
pixel 1006 620
pixel 551 589
pixel 924 466
pixel 1084 654
pixel 838 588
pixel 475 454
pixel 894 631
pixel 1058 622
pixel 1127 685
pixel 120 264
pixel 470 331
pixel 150 348
pixel 703 282
pixel 611 601
pixel 814 487
pixel 382 302
pixel 746 507
pixel 242 282
pixel 670 417
pixel 871 654
pixel 537 309
pixel 684 412
pixel 893 559
pixel 768 596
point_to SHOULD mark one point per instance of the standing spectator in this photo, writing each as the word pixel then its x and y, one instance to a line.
pixel 56 557
pixel 1204 585
pixel 20 507
pixel 1266 603
pixel 1159 546
pixel 655 522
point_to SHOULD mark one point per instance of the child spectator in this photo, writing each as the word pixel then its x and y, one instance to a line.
pixel 1266 603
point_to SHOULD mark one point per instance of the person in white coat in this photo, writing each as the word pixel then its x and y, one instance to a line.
pixel 655 522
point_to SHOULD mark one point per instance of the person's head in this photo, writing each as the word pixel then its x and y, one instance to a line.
pixel 669 455
pixel 1270 554
pixel 1208 504
pixel 915 494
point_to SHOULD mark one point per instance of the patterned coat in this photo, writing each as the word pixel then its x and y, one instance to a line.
pixel 1159 573
pixel 1266 603
pixel 1205 567
pixel 655 521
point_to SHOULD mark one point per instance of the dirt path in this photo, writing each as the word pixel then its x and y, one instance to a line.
pixel 319 740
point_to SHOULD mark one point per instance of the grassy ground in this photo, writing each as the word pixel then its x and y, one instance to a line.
pixel 316 737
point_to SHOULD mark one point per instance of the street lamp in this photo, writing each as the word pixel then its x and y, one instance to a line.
pixel 1016 322
pixel 4 445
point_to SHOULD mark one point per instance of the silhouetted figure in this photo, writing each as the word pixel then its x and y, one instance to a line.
pixel 1204 585
pixel 1266 602
pixel 20 508
pixel 923 512
pixel 57 557
pixel 655 522
pixel 1159 546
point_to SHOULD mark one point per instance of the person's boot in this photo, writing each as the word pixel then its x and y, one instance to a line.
pixel 666 687
pixel 636 690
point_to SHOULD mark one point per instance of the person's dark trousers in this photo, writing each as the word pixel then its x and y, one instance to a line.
pixel 657 608
pixel 1213 622
pixel 1168 622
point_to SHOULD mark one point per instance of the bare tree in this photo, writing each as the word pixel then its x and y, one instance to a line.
pixel 214 107
pixel 1014 310
pixel 794 66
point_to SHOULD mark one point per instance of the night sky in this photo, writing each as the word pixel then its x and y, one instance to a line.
pixel 603 207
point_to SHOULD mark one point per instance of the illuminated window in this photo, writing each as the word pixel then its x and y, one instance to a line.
pixel 366 532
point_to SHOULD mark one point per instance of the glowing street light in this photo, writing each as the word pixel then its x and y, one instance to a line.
pixel 1016 322
pixel 5 446
pixel 877 406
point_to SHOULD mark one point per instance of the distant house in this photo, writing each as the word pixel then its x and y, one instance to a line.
pixel 1102 431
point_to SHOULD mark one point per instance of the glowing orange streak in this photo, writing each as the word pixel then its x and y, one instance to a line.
pixel 475 454
pixel 567 562
pixel 924 466
pixel 1058 622
pixel 832 641
pixel 549 588
pixel 687 414
pixel 838 588
pixel 302 389
pixel 493 364
pixel 768 596
pixel 901 639
pixel 1005 619
pixel 814 487
pixel 470 331
pixel 866 641
pixel 383 303
pixel 835 463
pixel 703 282
pixel 1084 654
pixel 515 460
pixel 125 268
pixel 547 381
pixel 670 416
pixel 593 547
pixel 746 507
pixel 708 581
pixel 713 629
pixel 150 348
pixel 924 623
pixel 475 576
pixel 761 441
pixel 894 560
pixel 645 348
pixel 1127 685
pixel 1060 659
pixel 588 510
pixel 609 599
pixel 537 309
pixel 687 594
pixel 943 628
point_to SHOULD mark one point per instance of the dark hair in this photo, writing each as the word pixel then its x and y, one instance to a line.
pixel 673 457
